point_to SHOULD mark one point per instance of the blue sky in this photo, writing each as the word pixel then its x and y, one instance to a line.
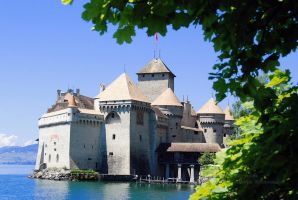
pixel 45 46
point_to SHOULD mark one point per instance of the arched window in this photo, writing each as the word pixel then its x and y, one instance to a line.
pixel 57 158
pixel 113 118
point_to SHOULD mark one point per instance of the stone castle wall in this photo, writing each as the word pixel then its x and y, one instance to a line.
pixel 85 145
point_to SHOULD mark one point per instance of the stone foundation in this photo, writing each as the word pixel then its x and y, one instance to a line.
pixel 64 175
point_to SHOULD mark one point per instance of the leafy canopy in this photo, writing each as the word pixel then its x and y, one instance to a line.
pixel 249 36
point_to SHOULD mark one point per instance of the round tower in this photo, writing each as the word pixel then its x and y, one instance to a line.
pixel 72 105
pixel 229 122
pixel 170 106
pixel 211 119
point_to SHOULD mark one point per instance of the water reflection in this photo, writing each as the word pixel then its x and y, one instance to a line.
pixel 116 191
pixel 109 191
pixel 15 187
pixel 45 189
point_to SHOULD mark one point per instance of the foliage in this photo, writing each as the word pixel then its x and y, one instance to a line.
pixel 250 37
pixel 207 159
pixel 67 2
pixel 80 171
pixel 253 171
pixel 240 109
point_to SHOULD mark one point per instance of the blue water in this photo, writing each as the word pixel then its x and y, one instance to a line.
pixel 16 185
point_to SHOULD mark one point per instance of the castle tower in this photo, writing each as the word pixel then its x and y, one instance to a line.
pixel 127 114
pixel 155 78
pixel 211 119
pixel 170 105
pixel 229 122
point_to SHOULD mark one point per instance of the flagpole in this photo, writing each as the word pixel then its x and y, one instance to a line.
pixel 156 44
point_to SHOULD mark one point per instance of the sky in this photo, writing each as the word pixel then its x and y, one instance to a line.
pixel 45 46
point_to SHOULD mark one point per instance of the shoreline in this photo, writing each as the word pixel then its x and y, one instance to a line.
pixel 91 176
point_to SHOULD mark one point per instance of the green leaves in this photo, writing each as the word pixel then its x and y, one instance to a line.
pixel 279 77
pixel 66 2
pixel 124 34
pixel 246 170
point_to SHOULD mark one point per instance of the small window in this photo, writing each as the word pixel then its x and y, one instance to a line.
pixel 152 75
pixel 49 158
pixel 196 132
pixel 140 118
pixel 114 136
pixel 163 75
pixel 173 136
pixel 46 145
pixel 143 75
pixel 225 135
pixel 113 115
pixel 111 154
pixel 84 146
pixel 140 137
pixel 55 149
pixel 89 158
pixel 57 158
pixel 205 130
pixel 196 125
pixel 214 130
pixel 92 146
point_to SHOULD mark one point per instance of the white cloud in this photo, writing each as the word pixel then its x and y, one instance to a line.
pixel 29 142
pixel 8 140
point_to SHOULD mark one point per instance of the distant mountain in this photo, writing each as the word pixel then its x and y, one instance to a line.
pixel 18 155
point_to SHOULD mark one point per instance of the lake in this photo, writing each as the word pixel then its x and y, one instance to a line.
pixel 14 184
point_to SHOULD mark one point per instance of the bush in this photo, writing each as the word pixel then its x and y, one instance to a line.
pixel 207 159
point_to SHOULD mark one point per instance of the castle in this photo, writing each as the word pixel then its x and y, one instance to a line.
pixel 132 129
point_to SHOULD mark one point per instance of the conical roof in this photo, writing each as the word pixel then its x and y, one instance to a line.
pixel 211 108
pixel 156 65
pixel 167 98
pixel 71 100
pixel 122 88
pixel 228 115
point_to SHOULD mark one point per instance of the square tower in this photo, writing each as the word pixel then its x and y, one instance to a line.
pixel 155 78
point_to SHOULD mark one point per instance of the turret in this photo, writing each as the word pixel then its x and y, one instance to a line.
pixel 72 105
pixel 170 106
pixel 229 122
pixel 212 119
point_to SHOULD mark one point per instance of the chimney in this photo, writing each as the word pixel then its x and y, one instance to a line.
pixel 58 93
pixel 102 88
pixel 78 92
